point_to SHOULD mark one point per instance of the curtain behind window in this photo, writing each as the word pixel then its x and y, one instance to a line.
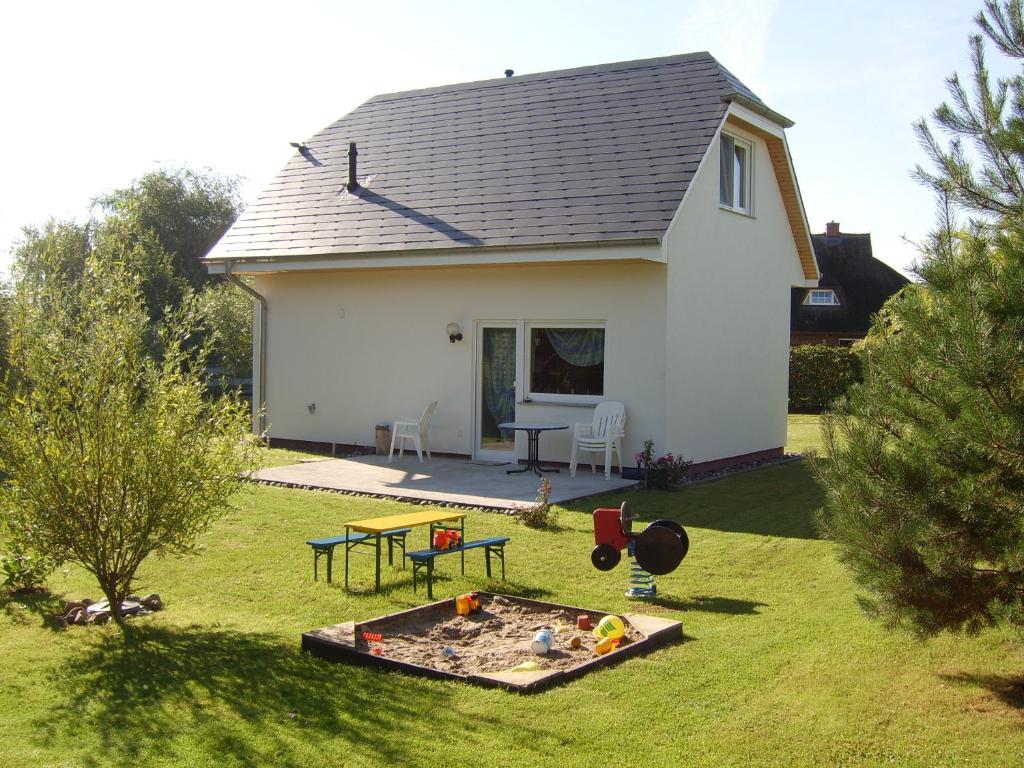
pixel 498 370
pixel 578 346
pixel 726 165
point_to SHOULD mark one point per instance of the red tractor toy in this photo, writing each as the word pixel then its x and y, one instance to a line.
pixel 658 549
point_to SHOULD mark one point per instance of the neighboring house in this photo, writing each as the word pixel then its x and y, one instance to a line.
pixel 853 286
pixel 525 247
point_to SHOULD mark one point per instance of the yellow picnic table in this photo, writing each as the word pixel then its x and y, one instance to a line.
pixel 376 526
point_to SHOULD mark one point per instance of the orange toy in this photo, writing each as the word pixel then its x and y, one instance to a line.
pixel 446 538
pixel 467 604
pixel 372 637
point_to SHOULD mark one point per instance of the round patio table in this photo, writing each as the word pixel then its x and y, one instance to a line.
pixel 532 430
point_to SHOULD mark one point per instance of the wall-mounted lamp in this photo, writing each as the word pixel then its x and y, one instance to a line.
pixel 454 332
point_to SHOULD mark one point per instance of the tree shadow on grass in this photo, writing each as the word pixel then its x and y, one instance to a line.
pixel 247 696
pixel 776 500
pixel 1009 689
pixel 40 603
pixel 709 604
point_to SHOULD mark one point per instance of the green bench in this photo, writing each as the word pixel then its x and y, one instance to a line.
pixel 326 547
pixel 423 559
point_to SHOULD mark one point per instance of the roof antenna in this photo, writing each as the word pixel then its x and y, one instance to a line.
pixel 353 183
pixel 509 73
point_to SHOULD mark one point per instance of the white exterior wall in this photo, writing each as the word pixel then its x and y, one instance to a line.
pixel 728 293
pixel 369 346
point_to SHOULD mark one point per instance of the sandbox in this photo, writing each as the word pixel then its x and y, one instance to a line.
pixel 482 648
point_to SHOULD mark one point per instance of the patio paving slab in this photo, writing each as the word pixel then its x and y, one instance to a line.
pixel 443 480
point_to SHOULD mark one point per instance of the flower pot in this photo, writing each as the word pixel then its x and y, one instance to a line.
pixel 632 473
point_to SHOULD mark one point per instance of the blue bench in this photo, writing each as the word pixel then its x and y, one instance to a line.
pixel 423 559
pixel 326 547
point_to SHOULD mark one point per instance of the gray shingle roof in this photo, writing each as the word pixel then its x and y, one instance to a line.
pixel 586 155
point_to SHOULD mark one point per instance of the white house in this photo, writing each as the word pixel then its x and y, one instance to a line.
pixel 626 231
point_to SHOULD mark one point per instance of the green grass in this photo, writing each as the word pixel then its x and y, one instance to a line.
pixel 779 667
pixel 804 434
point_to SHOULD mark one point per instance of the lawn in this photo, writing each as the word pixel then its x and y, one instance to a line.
pixel 779 667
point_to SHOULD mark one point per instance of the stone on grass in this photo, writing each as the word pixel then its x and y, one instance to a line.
pixel 86 611
pixel 152 601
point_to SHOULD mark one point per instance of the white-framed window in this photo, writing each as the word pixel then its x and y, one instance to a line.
pixel 821 297
pixel 735 176
pixel 565 362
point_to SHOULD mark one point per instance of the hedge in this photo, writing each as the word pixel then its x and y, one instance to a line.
pixel 818 374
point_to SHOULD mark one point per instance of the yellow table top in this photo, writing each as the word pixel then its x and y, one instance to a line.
pixel 411 520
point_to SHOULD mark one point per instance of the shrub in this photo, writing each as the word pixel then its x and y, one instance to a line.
pixel 539 515
pixel 660 473
pixel 666 472
pixel 818 374
pixel 23 570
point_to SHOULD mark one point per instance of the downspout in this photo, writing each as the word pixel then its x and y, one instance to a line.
pixel 261 366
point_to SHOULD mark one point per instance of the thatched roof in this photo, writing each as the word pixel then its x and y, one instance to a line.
pixel 862 284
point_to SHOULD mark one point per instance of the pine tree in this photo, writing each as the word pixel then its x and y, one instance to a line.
pixel 925 460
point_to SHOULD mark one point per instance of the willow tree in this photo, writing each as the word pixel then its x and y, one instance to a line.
pixel 925 460
pixel 111 455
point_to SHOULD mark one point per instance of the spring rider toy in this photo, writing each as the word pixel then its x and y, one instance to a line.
pixel 655 551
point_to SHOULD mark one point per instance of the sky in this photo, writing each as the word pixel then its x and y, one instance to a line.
pixel 93 95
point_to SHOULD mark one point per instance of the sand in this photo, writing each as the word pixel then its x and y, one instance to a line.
pixel 495 639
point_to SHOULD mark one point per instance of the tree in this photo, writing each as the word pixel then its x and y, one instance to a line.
pixel 111 454
pixel 188 211
pixel 59 250
pixel 5 325
pixel 228 315
pixel 158 229
pixel 925 460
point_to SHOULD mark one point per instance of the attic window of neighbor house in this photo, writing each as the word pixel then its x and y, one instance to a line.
pixel 734 173
pixel 566 363
pixel 821 298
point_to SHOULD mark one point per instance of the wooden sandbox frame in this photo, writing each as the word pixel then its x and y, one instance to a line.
pixel 338 643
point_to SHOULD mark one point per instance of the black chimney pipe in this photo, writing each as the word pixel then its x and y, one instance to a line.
pixel 353 183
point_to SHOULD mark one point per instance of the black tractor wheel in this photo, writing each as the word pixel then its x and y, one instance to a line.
pixel 626 518
pixel 605 557
pixel 679 531
pixel 658 550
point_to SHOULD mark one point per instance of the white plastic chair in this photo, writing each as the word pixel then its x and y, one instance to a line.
pixel 415 430
pixel 602 435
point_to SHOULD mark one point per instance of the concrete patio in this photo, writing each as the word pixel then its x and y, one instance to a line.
pixel 442 480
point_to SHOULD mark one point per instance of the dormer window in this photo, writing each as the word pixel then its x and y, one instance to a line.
pixel 734 173
pixel 821 297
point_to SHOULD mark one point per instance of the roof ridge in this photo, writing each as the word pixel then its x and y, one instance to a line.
pixel 557 74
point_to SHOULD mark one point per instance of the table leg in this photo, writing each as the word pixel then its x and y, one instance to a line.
pixel 348 532
pixel 330 562
pixel 377 547
pixel 529 456
pixel 535 455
